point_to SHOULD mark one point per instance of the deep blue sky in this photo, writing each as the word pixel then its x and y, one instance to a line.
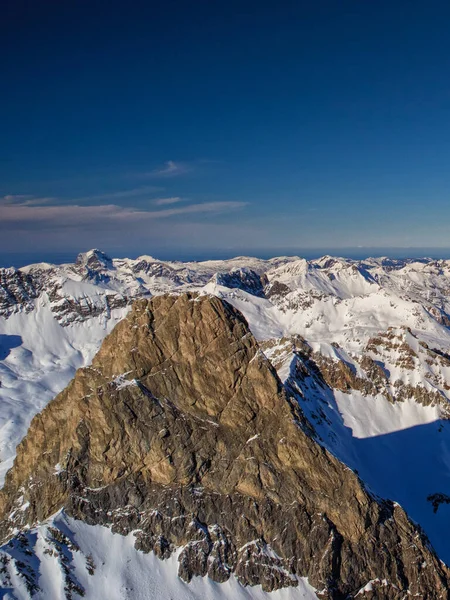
pixel 156 127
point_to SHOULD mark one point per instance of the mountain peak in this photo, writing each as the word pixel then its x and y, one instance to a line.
pixel 182 432
pixel 94 259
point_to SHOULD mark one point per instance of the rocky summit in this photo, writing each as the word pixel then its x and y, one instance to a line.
pixel 181 432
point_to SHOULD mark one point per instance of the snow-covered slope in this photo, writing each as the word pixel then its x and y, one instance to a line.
pixel 371 367
pixel 400 449
pixel 65 558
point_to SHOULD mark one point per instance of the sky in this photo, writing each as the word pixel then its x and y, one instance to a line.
pixel 188 128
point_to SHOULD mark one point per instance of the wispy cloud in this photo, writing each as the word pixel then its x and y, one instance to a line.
pixel 169 169
pixel 24 200
pixel 167 201
pixel 11 198
pixel 76 215
pixel 121 194
pixel 30 200
pixel 203 207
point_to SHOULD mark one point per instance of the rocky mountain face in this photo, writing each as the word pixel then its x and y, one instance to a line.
pixel 17 291
pixel 182 432
pixel 243 279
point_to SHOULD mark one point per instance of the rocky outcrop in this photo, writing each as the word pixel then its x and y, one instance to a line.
pixel 297 300
pixel 181 431
pixel 70 309
pixel 341 375
pixel 243 279
pixel 17 291
pixel 158 270
pixel 276 290
pixel 364 374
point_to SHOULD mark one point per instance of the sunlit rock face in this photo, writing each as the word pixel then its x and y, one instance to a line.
pixel 182 432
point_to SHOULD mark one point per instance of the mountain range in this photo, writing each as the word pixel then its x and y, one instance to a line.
pixel 234 428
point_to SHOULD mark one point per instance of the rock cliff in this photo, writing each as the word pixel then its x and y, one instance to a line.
pixel 182 432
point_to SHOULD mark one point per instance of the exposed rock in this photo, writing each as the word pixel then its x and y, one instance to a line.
pixel 276 290
pixel 421 395
pixel 157 269
pixel 342 376
pixel 377 375
pixel 94 260
pixel 17 291
pixel 295 300
pixel 181 430
pixel 69 309
pixel 242 279
pixel 440 315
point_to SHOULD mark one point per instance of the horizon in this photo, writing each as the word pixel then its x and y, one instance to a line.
pixel 20 260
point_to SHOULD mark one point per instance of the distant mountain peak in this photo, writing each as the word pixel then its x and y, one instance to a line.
pixel 94 259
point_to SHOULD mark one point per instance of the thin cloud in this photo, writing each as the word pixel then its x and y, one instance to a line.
pixel 30 200
pixel 24 200
pixel 75 215
pixel 133 193
pixel 169 169
pixel 166 201
pixel 204 207
pixel 12 198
